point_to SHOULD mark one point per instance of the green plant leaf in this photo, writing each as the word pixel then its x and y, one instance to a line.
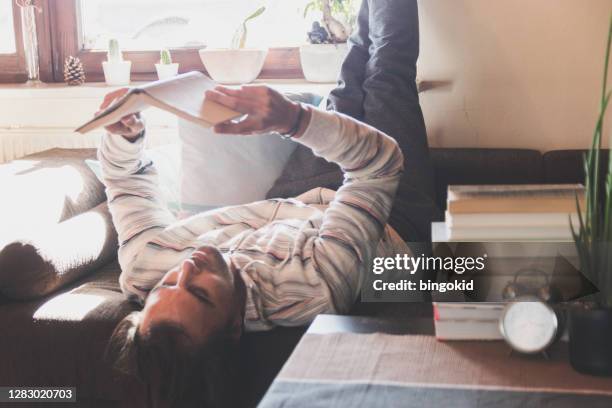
pixel 240 35
pixel 114 52
pixel 165 57
pixel 243 37
pixel 308 7
pixel 256 14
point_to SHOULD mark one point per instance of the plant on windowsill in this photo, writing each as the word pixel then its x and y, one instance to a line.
pixel 322 58
pixel 238 64
pixel 590 327
pixel 166 68
pixel 116 70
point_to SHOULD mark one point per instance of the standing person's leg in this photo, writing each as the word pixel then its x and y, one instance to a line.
pixel 305 171
pixel 348 97
pixel 390 101
pixel 377 85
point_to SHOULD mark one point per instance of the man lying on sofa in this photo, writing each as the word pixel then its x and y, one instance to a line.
pixel 205 279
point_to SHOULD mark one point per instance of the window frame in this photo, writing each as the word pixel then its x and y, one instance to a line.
pixel 65 35
pixel 12 66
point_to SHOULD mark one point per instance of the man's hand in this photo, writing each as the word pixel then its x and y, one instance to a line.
pixel 130 126
pixel 267 111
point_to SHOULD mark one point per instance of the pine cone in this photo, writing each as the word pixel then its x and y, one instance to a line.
pixel 74 74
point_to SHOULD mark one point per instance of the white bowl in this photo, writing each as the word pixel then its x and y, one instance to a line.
pixel 229 66
pixel 322 62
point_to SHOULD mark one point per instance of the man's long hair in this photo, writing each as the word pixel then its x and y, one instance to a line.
pixel 176 372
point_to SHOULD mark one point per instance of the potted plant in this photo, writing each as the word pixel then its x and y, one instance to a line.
pixel 166 68
pixel 322 58
pixel 238 64
pixel 590 327
pixel 116 70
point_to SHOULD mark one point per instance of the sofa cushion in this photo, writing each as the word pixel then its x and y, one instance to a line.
pixel 55 227
pixel 484 166
pixel 48 187
pixel 567 166
pixel 45 260
pixel 233 169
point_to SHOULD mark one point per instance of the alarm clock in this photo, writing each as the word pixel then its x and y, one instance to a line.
pixel 520 286
pixel 529 325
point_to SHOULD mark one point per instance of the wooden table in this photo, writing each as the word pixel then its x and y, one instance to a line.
pixel 364 362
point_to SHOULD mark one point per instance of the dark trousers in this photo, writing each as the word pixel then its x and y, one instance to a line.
pixel 377 85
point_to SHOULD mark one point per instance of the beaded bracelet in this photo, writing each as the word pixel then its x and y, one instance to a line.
pixel 296 127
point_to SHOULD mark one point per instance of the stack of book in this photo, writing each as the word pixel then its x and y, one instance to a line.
pixel 513 212
pixel 467 321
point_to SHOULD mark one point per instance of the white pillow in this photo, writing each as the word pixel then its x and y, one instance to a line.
pixel 208 171
pixel 219 170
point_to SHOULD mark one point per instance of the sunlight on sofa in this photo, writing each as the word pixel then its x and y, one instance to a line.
pixel 69 306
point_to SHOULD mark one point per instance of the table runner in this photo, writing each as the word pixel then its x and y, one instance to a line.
pixel 347 369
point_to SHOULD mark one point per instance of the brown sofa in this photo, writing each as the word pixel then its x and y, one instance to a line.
pixel 57 341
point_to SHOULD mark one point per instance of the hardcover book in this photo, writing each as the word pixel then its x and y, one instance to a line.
pixel 529 198
pixel 467 321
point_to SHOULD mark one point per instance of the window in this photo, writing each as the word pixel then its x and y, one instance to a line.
pixel 12 65
pixel 7 30
pixel 83 27
pixel 154 24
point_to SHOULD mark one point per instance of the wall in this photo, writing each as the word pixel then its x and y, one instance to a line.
pixel 523 73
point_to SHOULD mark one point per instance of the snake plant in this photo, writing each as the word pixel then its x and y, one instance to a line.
pixel 594 235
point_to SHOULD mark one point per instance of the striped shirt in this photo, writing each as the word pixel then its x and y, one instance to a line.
pixel 298 257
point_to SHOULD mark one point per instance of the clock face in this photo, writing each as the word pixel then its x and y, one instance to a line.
pixel 529 326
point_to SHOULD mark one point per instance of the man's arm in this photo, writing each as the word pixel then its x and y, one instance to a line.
pixel 135 202
pixel 134 199
pixel 326 276
pixel 354 222
pixel 325 271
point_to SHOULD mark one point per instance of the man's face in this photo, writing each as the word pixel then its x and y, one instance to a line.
pixel 197 296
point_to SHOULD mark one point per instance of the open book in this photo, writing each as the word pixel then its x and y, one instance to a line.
pixel 182 95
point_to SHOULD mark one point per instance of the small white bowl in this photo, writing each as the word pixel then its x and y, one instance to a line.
pixel 229 66
pixel 322 62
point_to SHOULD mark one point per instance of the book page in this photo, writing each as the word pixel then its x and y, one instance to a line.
pixel 183 95
pixel 186 93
